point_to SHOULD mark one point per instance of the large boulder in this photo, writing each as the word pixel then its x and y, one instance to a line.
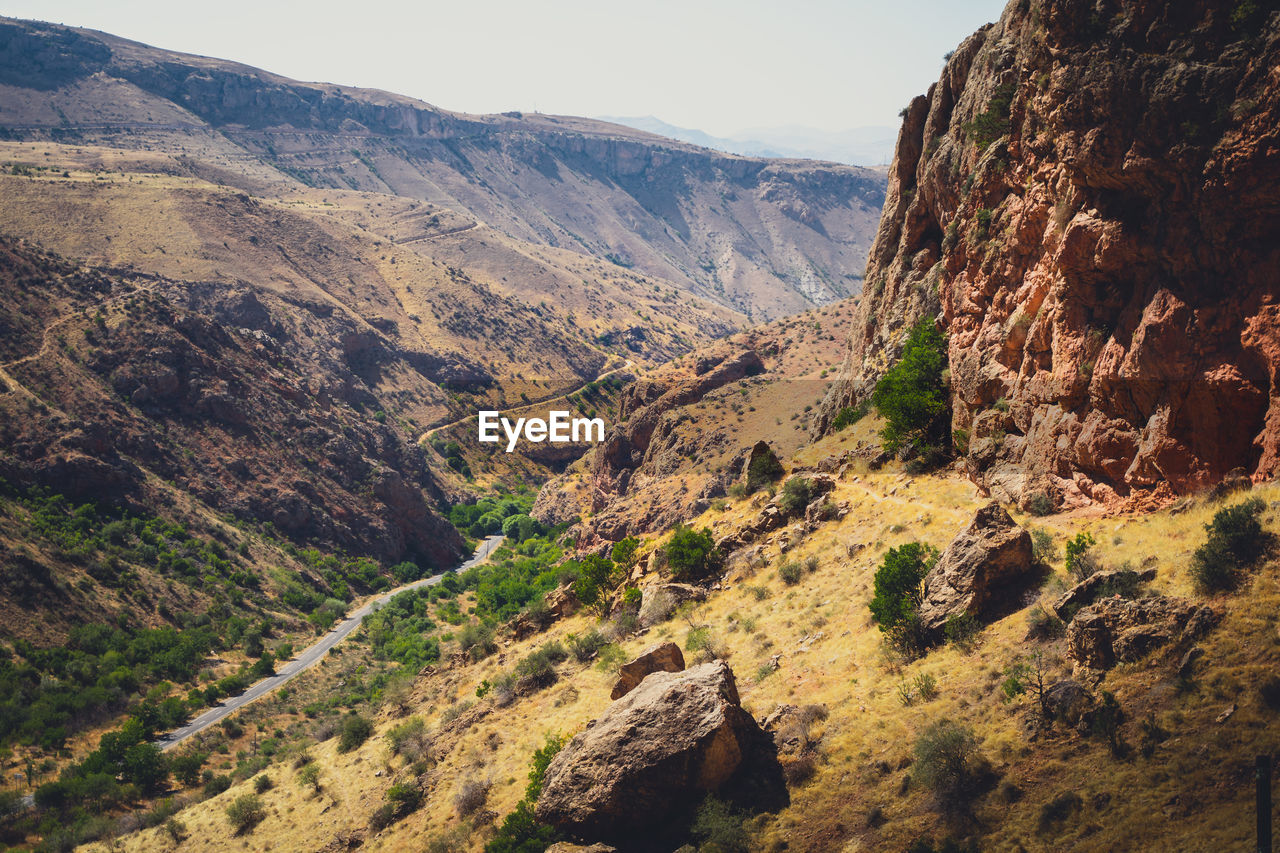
pixel 653 755
pixel 660 657
pixel 990 554
pixel 1121 630
pixel 1122 582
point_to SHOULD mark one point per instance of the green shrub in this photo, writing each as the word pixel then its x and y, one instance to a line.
pixel 797 492
pixel 309 776
pixel 899 584
pixel 993 122
pixel 790 572
pixel 586 646
pixel 691 554
pixel 763 470
pixel 354 732
pixel 1042 545
pixel 961 630
pixel 245 812
pixel 593 583
pixel 912 396
pixel 1235 543
pixel 849 415
pixel 1039 504
pixel 1080 563
pixel 719 827
pixel 262 784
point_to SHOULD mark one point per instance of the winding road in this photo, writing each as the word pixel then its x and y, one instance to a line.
pixel 312 654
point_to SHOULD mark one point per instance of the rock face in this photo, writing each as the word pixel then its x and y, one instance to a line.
pixel 1119 630
pixel 1121 581
pixel 660 657
pixel 988 555
pixel 1086 206
pixel 655 751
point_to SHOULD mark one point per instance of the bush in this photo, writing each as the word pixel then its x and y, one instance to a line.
pixel 1080 563
pixel 899 584
pixel 1039 504
pixel 719 827
pixel 309 776
pixel 586 646
pixel 592 584
pixel 245 812
pixel 262 784
pixel 848 416
pixel 796 494
pixel 790 572
pixel 1235 543
pixel 912 396
pixel 214 786
pixel 355 731
pixel 961 630
pixel 763 470
pixel 945 756
pixel 471 797
pixel 408 739
pixel 1059 809
pixel 691 554
pixel 1042 545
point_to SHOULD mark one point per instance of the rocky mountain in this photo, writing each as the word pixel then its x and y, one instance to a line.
pixel 763 237
pixel 1085 202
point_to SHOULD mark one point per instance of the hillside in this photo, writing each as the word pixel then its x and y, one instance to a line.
pixel 763 237
pixel 1086 203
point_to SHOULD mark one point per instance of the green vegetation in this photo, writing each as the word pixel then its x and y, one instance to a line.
pixel 898 592
pixel 355 731
pixel 245 813
pixel 521 831
pixel 1235 543
pixel 763 470
pixel 1081 563
pixel 691 554
pixel 850 415
pixel 946 754
pixel 912 395
pixel 993 122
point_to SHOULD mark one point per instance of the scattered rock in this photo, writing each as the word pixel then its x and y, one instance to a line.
pixel 654 754
pixel 1225 715
pixel 660 657
pixel 992 552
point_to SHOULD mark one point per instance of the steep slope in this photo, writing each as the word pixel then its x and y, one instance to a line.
pixel 764 237
pixel 1086 203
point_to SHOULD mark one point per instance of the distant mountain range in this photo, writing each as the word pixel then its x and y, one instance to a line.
pixel 859 146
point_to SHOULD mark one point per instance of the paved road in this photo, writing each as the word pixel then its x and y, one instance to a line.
pixel 312 655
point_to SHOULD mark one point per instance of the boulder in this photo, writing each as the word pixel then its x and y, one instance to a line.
pixel 659 599
pixel 990 554
pixel 1067 700
pixel 1122 630
pixel 654 754
pixel 660 657
pixel 563 601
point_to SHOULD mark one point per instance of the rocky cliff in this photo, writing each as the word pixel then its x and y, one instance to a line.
pixel 1086 202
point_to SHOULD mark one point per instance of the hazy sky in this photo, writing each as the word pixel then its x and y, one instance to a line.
pixel 721 66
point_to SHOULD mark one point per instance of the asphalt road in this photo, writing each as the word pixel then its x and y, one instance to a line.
pixel 312 655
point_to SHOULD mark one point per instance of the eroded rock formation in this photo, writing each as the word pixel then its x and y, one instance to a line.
pixel 1089 211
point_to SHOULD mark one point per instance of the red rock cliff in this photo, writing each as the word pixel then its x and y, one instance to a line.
pixel 1087 202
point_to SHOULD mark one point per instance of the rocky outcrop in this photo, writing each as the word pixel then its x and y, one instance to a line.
pixel 1122 582
pixel 660 657
pixel 654 754
pixel 659 600
pixel 974 570
pixel 1085 203
pixel 1118 630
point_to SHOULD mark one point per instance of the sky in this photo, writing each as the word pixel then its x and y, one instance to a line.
pixel 721 66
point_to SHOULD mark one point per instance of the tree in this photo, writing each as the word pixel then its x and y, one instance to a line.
pixel 593 579
pixel 912 395
pixel 1236 541
pixel 691 554
pixel 309 776
pixel 624 553
pixel 763 469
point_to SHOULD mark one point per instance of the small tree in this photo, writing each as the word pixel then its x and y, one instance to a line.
pixel 1081 564
pixel 309 776
pixel 899 583
pixel 591 587
pixel 1029 675
pixel 763 469
pixel 624 553
pixel 912 395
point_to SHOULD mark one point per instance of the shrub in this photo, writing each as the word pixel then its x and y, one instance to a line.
pixel 477 641
pixel 763 470
pixel 691 554
pixel 912 396
pixel 811 563
pixel 404 797
pixel 355 731
pixel 848 416
pixel 961 630
pixel 1269 691
pixel 1235 543
pixel 1106 722
pixel 926 686
pixel 945 756
pixel 262 784
pixel 245 812
pixel 899 584
pixel 993 122
pixel 1059 809
pixel 1042 545
pixel 409 739
pixel 796 494
pixel 471 797
pixel 1080 563
pixel 309 776
pixel 586 646
pixel 719 827
pixel 790 572
pixel 1043 624
pixel 213 786
pixel 521 831
pixel 1040 504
